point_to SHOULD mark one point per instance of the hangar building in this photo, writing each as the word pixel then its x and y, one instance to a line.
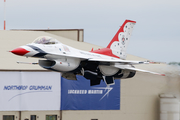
pixel 29 92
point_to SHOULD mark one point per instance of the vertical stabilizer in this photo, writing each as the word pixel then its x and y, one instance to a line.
pixel 120 41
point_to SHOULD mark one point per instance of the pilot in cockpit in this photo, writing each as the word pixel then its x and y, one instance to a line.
pixel 45 40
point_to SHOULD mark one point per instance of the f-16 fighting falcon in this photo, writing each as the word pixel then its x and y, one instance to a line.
pixel 103 64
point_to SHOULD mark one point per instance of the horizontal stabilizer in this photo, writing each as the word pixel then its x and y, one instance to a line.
pixel 128 67
pixel 146 71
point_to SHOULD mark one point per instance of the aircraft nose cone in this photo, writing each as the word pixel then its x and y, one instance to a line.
pixel 19 51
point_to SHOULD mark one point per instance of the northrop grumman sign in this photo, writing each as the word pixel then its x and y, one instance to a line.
pixel 48 91
pixel 29 91
pixel 25 87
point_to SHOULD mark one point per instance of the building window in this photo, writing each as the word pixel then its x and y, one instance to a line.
pixel 51 117
pixel 8 117
pixel 33 117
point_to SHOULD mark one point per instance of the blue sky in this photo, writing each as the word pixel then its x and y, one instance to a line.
pixel 156 35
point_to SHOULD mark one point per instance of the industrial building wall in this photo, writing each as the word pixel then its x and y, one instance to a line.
pixel 41 115
pixel 139 99
pixel 30 115
pixel 26 92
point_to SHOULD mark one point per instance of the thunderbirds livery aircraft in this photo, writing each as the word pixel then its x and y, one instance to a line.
pixel 103 64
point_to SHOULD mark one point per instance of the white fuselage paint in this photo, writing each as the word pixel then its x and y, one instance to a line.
pixel 68 58
pixel 61 51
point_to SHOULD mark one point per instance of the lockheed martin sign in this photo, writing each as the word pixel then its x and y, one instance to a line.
pixel 78 95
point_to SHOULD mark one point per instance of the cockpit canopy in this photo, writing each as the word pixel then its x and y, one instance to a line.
pixel 45 40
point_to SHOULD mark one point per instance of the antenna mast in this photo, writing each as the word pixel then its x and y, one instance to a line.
pixel 4 14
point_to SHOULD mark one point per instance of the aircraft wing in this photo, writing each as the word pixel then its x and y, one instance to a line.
pixel 128 67
pixel 101 59
pixel 119 61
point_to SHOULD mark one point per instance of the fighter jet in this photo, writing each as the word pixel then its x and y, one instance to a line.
pixel 103 64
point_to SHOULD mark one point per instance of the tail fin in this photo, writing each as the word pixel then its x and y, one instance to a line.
pixel 120 41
